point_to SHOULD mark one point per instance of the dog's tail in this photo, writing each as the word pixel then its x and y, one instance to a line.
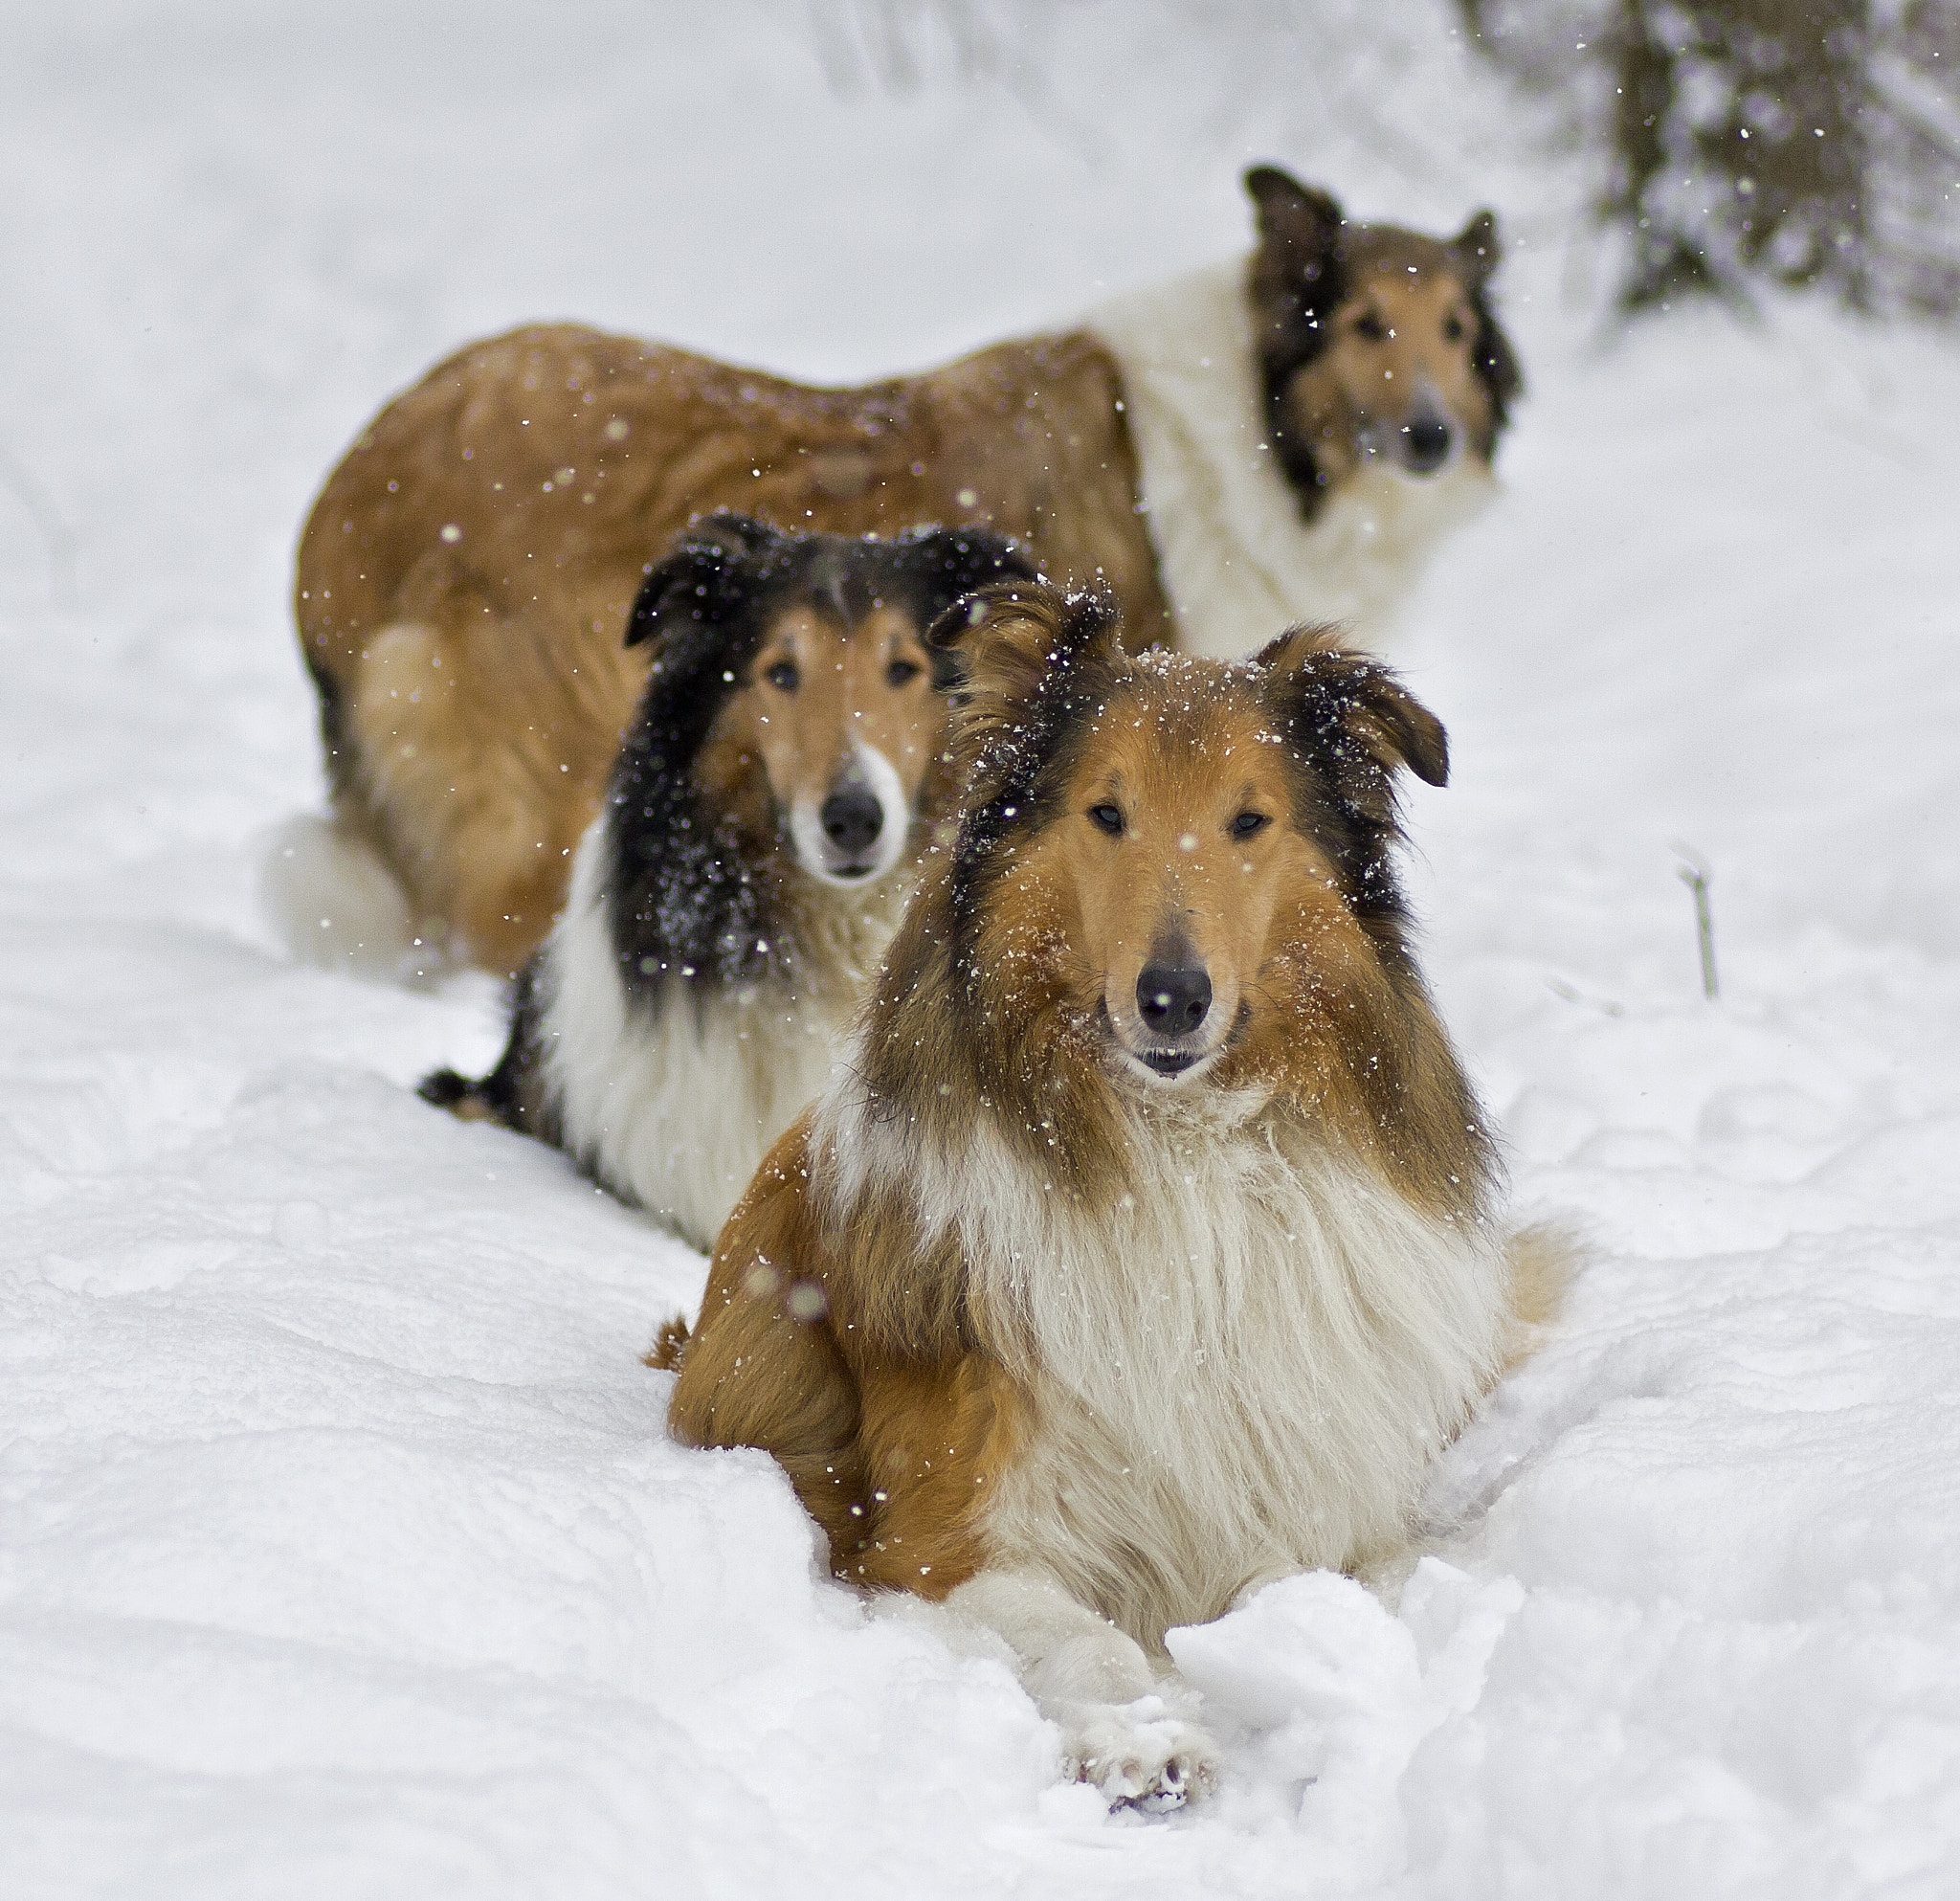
pixel 669 1344
pixel 1542 1259
pixel 466 1100
pixel 334 900
pixel 513 1093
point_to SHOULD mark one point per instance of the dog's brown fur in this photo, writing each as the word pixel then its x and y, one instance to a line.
pixel 465 574
pixel 846 1328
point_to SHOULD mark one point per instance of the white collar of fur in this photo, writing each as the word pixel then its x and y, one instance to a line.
pixel 1238 562
pixel 673 1107
pixel 1241 1368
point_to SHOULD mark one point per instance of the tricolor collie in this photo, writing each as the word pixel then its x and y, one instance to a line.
pixel 756 846
pixel 1145 1246
pixel 1276 438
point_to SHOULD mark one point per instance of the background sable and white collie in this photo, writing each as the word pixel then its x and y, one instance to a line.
pixel 1260 442
pixel 757 844
pixel 1145 1246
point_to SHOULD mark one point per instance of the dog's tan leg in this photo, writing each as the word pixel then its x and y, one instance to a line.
pixel 480 814
pixel 933 1435
pixel 761 1367
pixel 754 1375
pixel 499 918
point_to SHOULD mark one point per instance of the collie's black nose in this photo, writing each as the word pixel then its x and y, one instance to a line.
pixel 852 819
pixel 1428 439
pixel 1173 1001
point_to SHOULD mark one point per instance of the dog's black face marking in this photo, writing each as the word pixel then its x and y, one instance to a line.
pixel 689 895
pixel 1306 267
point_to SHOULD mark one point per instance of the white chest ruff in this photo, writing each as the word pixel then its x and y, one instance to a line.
pixel 1241 1374
pixel 674 1106
pixel 1238 562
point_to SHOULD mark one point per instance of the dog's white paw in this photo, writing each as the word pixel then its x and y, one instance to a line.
pixel 1141 1756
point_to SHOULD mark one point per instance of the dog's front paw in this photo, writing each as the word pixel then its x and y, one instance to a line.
pixel 1141 1758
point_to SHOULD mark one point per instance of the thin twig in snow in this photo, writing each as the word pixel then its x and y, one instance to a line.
pixel 1695 872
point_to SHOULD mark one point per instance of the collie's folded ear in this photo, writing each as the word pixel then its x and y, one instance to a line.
pixel 1477 249
pixel 1352 719
pixel 1006 647
pixel 697 584
pixel 1010 639
pixel 1298 220
pixel 952 563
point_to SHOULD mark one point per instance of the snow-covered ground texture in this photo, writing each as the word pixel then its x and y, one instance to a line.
pixel 341 1549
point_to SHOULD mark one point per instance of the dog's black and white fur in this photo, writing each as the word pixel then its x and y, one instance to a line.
pixel 715 943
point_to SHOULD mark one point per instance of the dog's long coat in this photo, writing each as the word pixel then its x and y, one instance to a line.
pixel 1143 1249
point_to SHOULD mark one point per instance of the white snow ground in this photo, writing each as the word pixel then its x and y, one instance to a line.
pixel 340 1551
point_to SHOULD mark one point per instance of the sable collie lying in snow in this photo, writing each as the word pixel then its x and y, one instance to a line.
pixel 1144 1247
pixel 1258 443
pixel 749 864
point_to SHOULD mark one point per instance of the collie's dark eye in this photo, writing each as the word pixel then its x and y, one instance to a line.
pixel 900 672
pixel 1108 819
pixel 783 674
pixel 1453 330
pixel 1249 823
pixel 1368 325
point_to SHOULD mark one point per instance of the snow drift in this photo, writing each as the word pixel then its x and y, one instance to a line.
pixel 341 1549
